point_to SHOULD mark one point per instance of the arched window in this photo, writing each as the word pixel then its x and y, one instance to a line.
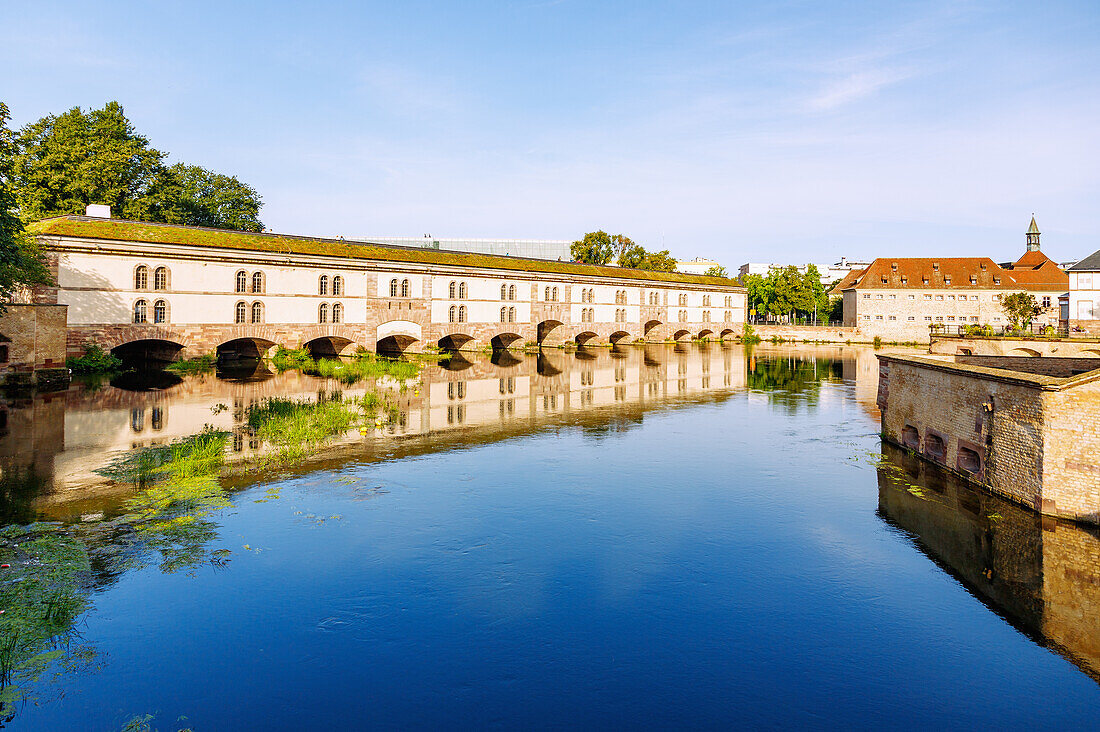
pixel 337 313
pixel 504 292
pixel 141 312
pixel 503 314
pixel 322 286
pixel 452 290
pixel 462 314
pixel 242 281
pixel 511 292
pixel 322 313
pixel 404 288
pixel 546 295
pixel 240 313
pixel 726 316
pixel 451 314
pixel 511 315
pixel 257 283
pixel 461 290
pixel 554 294
pixel 160 278
pixel 257 312
pixel 393 288
pixel 337 286
pixel 160 311
pixel 141 277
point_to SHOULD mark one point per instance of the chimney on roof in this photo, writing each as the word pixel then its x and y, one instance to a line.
pixel 98 211
pixel 1033 236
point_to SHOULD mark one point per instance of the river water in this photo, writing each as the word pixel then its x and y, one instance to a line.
pixel 671 536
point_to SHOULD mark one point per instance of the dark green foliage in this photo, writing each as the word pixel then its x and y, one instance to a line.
pixel 21 262
pixel 64 162
pixel 94 361
pixel 786 291
pixel 716 271
pixel 636 257
pixel 595 248
pixel 1020 308
pixel 200 365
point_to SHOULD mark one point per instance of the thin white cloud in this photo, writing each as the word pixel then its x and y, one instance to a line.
pixel 854 87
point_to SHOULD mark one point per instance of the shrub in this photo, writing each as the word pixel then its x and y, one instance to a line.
pixel 877 342
pixel 94 361
pixel 748 334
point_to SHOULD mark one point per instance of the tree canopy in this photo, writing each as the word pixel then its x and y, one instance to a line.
pixel 1020 308
pixel 787 291
pixel 595 248
pixel 716 271
pixel 21 264
pixel 62 163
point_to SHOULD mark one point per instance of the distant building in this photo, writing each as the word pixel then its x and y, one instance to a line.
pixel 899 298
pixel 830 273
pixel 696 266
pixel 1083 312
pixel 551 249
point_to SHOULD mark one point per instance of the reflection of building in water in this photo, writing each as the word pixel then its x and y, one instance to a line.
pixel 475 399
pixel 1040 573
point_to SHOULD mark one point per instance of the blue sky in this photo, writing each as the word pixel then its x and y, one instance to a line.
pixel 772 131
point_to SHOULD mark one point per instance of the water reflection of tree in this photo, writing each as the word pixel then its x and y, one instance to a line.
pixel 791 381
pixel 19 486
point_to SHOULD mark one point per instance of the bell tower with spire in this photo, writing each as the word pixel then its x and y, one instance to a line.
pixel 1033 236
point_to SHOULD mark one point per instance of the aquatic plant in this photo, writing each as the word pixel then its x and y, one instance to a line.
pixel 94 361
pixel 199 365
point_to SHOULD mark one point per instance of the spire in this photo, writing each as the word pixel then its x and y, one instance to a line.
pixel 1033 236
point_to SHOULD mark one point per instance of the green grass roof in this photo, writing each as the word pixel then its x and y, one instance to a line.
pixel 138 231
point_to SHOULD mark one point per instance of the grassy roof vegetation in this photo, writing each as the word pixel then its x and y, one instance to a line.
pixel 137 231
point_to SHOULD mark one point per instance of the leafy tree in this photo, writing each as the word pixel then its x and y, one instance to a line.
pixel 836 309
pixel 716 271
pixel 622 242
pixel 62 163
pixel 67 161
pixel 595 248
pixel 660 261
pixel 634 257
pixel 196 196
pixel 1020 308
pixel 759 292
pixel 21 262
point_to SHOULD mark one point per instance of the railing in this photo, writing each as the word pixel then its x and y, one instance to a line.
pixel 799 322
pixel 1034 330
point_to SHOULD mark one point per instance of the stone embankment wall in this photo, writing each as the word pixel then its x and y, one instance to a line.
pixel 1032 438
pixel 1057 347
pixel 819 333
pixel 32 345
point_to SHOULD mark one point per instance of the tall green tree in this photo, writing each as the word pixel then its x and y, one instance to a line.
pixel 595 248
pixel 1020 308
pixel 660 261
pixel 67 161
pixel 634 257
pixel 195 196
pixel 21 262
pixel 62 163
pixel 716 271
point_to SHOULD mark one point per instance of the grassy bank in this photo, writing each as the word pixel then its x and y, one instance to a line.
pixel 361 367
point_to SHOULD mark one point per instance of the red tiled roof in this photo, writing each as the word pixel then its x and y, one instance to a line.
pixel 954 272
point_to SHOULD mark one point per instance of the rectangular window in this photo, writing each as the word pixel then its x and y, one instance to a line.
pixel 973 318
pixel 911 318
pixel 878 317
pixel 878 297
pixel 1085 310
pixel 974 298
pixel 928 318
pixel 867 296
pixel 950 297
pixel 927 297
pixel 950 318
pixel 866 317
pixel 939 297
pixel 892 318
pixel 912 297
pixel 939 318
pixel 1084 281
pixel 1046 301
pixel 893 297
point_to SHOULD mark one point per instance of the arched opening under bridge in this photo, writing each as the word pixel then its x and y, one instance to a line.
pixel 505 340
pixel 651 329
pixel 682 335
pixel 705 333
pixel 1023 352
pixel 455 341
pixel 243 350
pixel 727 333
pixel 585 337
pixel 618 336
pixel 329 347
pixel 395 345
pixel 148 353
pixel 550 332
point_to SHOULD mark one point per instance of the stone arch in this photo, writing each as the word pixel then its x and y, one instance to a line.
pixel 585 337
pixel 727 333
pixel 505 340
pixel 148 352
pixel 1090 352
pixel 1024 352
pixel 618 336
pixel 243 349
pixel 330 346
pixel 681 335
pixel 395 344
pixel 456 341
pixel 650 327
pixel 705 333
pixel 550 332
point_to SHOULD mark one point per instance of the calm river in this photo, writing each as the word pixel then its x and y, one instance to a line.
pixel 665 537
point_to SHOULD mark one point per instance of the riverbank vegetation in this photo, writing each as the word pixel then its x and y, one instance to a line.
pixel 199 365
pixel 360 367
pixel 94 360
